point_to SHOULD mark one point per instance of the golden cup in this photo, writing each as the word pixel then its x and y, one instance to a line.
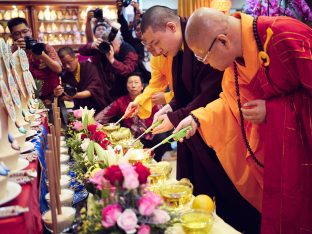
pixel 160 172
pixel 110 127
pixel 140 155
pixel 196 221
pixel 177 194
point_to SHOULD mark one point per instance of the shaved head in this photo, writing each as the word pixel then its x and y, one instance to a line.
pixel 203 25
pixel 156 17
pixel 215 38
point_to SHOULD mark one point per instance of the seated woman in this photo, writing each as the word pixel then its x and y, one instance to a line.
pixel 136 125
pixel 83 76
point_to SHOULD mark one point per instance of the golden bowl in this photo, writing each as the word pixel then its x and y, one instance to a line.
pixel 177 194
pixel 121 134
pixel 110 127
pixel 160 172
pixel 196 221
pixel 140 155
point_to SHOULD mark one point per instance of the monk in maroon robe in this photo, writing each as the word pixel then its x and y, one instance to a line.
pixel 266 142
pixel 84 76
pixel 195 84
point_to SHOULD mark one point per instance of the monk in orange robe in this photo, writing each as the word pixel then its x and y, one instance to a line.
pixel 260 127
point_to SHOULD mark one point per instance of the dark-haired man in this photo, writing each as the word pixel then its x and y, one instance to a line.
pixel 194 84
pixel 45 66
pixel 85 78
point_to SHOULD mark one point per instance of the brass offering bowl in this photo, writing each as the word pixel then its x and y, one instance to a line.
pixel 196 221
pixel 128 144
pixel 177 194
pixel 110 127
pixel 119 135
pixel 160 172
pixel 140 155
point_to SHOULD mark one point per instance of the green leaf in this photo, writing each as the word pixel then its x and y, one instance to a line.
pixel 85 121
pixel 90 151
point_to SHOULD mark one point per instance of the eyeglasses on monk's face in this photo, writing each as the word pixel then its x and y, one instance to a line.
pixel 203 59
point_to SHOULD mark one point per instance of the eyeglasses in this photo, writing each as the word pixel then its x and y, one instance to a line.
pixel 19 34
pixel 200 59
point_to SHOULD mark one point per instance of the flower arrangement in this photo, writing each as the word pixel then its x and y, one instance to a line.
pixel 296 8
pixel 124 205
pixel 86 141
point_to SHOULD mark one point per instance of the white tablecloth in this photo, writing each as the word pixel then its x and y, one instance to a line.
pixel 218 227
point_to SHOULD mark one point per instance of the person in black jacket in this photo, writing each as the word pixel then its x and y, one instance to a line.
pixel 127 35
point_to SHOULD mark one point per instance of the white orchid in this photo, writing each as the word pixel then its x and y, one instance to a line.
pixel 85 144
pixel 87 116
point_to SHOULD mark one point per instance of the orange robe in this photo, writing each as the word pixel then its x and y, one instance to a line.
pixel 222 116
pixel 161 77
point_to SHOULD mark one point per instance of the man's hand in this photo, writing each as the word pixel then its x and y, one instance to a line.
pixel 159 98
pixel 20 43
pixel 96 43
pixel 254 111
pixel 58 91
pixel 165 126
pixel 167 108
pixel 110 55
pixel 187 122
pixel 90 15
pixel 129 111
pixel 67 97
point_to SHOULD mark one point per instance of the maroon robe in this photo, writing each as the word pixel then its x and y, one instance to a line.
pixel 287 198
pixel 195 85
pixel 89 80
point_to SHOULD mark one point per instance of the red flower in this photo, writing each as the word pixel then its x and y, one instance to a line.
pixel 105 143
pixel 83 136
pixel 92 128
pixel 114 175
pixel 99 136
pixel 142 171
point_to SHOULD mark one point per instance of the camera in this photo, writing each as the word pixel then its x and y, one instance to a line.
pixel 70 90
pixel 126 3
pixel 104 47
pixel 98 14
pixel 32 44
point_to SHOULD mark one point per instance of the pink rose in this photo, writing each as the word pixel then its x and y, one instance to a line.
pixel 144 229
pixel 110 215
pixel 131 180
pixel 78 126
pixel 98 179
pixel 148 203
pixel 160 217
pixel 78 114
pixel 127 221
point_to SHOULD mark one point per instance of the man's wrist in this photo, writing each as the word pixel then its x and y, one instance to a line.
pixel 195 119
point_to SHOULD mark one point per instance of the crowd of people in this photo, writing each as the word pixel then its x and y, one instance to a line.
pixel 242 83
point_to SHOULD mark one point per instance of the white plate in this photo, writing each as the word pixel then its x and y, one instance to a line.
pixel 62 138
pixel 63 143
pixel 21 165
pixel 27 147
pixel 35 123
pixel 31 133
pixel 12 191
pixel 64 150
